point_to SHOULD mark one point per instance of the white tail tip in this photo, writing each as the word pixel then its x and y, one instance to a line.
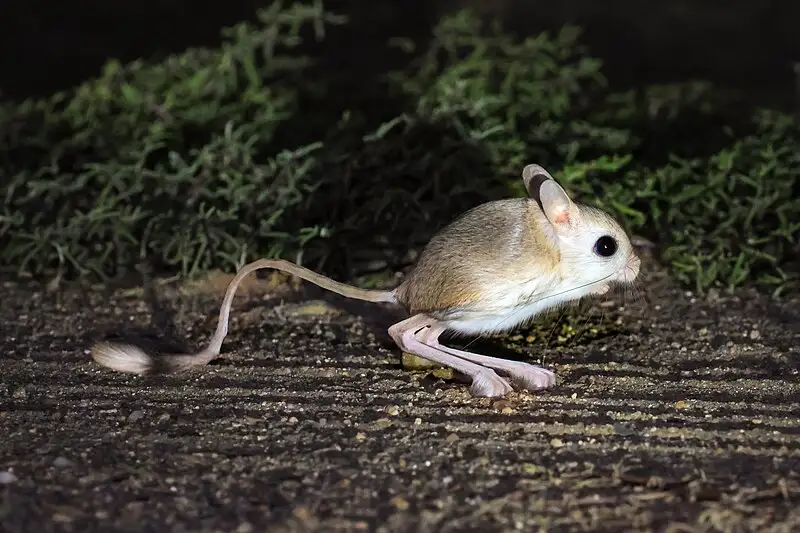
pixel 122 357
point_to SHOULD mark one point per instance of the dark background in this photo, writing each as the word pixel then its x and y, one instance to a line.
pixel 744 44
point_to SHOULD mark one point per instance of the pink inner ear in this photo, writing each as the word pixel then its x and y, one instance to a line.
pixel 562 218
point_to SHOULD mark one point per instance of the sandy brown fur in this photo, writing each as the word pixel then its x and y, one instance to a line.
pixel 496 240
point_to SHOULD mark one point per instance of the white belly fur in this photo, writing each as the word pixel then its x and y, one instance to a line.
pixel 512 306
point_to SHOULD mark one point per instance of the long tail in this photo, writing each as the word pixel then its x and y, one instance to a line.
pixel 124 357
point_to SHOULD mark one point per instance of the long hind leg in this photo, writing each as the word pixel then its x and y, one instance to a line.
pixel 409 335
pixel 527 376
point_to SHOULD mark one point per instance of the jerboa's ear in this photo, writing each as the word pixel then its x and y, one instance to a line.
pixel 533 176
pixel 556 204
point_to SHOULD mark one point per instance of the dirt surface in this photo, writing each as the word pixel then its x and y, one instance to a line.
pixel 682 416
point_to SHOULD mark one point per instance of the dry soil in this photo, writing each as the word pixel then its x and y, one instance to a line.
pixel 679 413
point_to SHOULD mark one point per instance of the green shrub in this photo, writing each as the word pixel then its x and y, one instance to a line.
pixel 174 161
pixel 182 163
pixel 732 218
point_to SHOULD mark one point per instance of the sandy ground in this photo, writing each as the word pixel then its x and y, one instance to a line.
pixel 677 414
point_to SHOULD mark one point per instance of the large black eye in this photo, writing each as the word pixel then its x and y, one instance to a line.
pixel 605 246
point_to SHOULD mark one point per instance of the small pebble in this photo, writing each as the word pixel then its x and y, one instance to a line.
pixel 20 394
pixel 557 443
pixel 245 527
pixel 755 334
pixel 501 404
pixel 383 423
pixel 623 429
pixel 400 504
pixel 62 462
pixel 393 410
pixel 61 518
pixel 7 477
pixel 530 468
pixel 136 416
